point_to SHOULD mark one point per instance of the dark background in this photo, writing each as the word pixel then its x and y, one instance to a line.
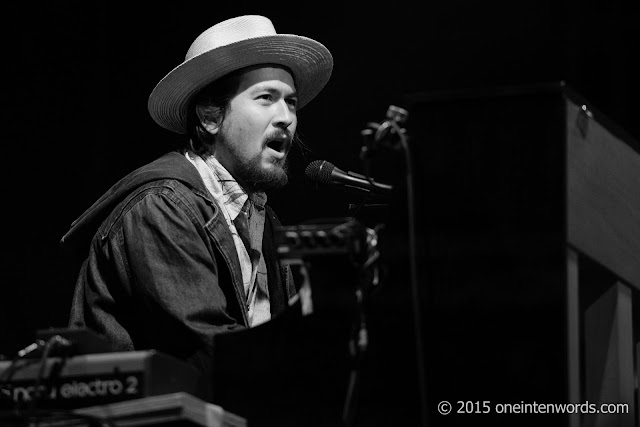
pixel 80 76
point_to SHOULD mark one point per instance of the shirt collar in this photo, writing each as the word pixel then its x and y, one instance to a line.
pixel 224 187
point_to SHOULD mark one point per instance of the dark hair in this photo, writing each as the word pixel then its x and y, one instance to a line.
pixel 213 102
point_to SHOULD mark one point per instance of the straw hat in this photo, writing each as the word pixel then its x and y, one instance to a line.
pixel 231 45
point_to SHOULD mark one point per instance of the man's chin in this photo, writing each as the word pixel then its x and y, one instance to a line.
pixel 272 177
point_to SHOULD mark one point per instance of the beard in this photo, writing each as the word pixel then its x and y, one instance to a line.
pixel 250 173
pixel 254 177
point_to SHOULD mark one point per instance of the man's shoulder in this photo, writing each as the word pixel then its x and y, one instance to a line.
pixel 159 188
pixel 158 196
pixel 172 171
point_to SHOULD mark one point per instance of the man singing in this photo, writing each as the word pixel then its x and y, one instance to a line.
pixel 183 248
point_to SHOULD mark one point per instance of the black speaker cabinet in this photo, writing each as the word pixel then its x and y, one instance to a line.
pixel 528 212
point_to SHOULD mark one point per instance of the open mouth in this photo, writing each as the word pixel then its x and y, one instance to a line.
pixel 278 144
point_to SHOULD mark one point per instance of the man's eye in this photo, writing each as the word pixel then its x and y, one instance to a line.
pixel 266 96
pixel 292 101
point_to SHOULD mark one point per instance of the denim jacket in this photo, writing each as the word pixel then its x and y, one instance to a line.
pixel 158 268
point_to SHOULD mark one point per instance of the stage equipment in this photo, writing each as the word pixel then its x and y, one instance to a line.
pixel 167 410
pixel 529 207
pixel 321 172
pixel 380 138
pixel 307 359
pixel 92 379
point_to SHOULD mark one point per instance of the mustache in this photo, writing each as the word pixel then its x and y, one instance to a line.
pixel 279 135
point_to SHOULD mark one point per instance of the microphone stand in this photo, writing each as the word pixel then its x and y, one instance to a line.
pixel 378 135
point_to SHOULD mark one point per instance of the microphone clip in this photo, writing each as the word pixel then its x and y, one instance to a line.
pixel 387 134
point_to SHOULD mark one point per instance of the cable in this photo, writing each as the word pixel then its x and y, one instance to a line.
pixel 15 366
pixel 33 417
pixel 413 259
pixel 51 343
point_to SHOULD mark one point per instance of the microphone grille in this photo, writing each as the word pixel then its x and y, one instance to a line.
pixel 319 171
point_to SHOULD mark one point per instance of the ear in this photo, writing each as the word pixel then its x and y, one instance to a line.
pixel 211 127
pixel 209 119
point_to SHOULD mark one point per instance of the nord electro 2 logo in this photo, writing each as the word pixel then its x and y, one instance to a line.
pixel 74 392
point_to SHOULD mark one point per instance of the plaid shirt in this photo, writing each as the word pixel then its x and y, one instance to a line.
pixel 245 216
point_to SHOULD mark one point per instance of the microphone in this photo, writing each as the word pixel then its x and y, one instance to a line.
pixel 322 172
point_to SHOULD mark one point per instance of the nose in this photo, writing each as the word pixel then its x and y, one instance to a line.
pixel 285 114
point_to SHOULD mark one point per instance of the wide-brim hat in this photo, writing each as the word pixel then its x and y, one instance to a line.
pixel 228 46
